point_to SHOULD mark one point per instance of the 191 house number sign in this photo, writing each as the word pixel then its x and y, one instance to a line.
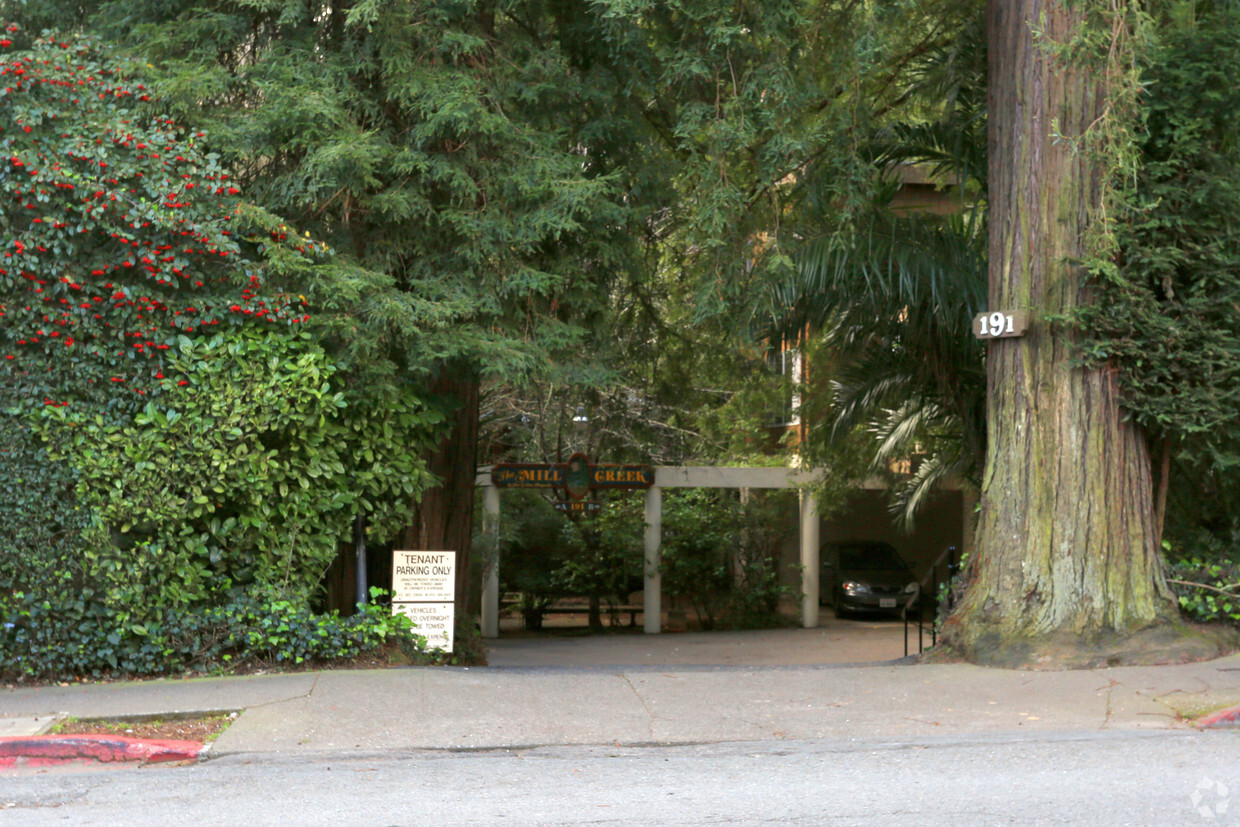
pixel 998 324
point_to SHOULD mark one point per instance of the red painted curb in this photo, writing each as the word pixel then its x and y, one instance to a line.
pixel 1224 717
pixel 103 748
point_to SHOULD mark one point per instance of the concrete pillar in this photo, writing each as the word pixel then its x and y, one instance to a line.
pixel 490 574
pixel 809 559
pixel 653 603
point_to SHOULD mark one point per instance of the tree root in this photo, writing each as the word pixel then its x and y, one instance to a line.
pixel 1163 644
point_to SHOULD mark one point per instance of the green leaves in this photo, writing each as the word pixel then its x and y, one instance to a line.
pixel 422 144
pixel 721 555
pixel 1208 591
pixel 248 472
pixel 1170 321
pixel 124 238
pixel 66 638
pixel 1168 315
pixel 40 519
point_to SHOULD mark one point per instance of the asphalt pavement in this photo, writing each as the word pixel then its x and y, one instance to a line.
pixel 841 680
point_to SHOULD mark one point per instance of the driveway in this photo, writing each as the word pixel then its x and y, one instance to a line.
pixel 833 642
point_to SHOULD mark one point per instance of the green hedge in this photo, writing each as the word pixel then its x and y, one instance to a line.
pixel 48 638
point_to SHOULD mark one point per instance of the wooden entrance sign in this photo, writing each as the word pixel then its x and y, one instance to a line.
pixel 577 477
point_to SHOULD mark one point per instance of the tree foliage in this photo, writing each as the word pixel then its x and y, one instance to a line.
pixel 178 452
pixel 432 144
pixel 885 298
pixel 1170 322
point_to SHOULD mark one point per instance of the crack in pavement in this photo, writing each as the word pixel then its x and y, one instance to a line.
pixel 313 685
pixel 649 714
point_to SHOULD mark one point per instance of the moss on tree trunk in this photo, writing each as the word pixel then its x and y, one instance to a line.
pixel 1068 570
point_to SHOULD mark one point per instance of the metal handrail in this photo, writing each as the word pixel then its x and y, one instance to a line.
pixel 914 601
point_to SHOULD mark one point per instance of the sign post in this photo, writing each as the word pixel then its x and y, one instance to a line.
pixel 424 590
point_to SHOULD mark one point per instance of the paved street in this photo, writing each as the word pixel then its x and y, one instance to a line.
pixel 1098 778
pixel 736 728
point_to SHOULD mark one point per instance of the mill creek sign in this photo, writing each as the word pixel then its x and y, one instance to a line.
pixel 577 476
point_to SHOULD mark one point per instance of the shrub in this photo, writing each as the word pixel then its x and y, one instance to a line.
pixel 41 521
pixel 758 592
pixel 249 471
pixel 721 556
pixel 534 542
pixel 604 557
pixel 49 638
pixel 120 232
pixel 1208 591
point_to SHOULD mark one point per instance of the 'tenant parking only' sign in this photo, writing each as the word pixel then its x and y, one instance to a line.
pixel 424 590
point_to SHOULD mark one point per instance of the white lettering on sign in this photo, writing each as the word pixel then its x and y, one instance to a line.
pixel 434 621
pixel 1000 325
pixel 996 324
pixel 424 589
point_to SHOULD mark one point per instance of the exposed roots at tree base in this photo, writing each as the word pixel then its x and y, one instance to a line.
pixel 1163 644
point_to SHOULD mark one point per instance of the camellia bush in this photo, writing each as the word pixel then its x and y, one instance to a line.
pixel 182 455
pixel 120 232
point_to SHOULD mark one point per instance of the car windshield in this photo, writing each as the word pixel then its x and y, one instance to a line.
pixel 870 557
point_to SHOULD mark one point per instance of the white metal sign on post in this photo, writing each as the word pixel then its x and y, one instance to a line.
pixel 424 590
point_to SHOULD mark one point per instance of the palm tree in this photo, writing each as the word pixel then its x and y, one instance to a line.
pixel 891 297
pixel 894 308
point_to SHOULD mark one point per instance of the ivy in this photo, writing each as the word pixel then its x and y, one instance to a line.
pixel 64 636
pixel 1208 591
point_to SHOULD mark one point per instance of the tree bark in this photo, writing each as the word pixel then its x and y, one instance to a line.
pixel 1067 570
pixel 443 519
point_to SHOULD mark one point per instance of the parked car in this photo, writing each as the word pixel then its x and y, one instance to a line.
pixel 864 576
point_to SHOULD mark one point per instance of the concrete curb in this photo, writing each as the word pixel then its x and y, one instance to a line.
pixel 45 750
pixel 1222 718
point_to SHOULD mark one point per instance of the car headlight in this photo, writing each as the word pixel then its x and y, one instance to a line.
pixel 853 587
pixel 911 588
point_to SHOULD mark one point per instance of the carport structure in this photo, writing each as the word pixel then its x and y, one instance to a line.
pixel 672 477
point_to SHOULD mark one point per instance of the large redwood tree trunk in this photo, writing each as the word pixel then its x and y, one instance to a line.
pixel 443 519
pixel 1067 570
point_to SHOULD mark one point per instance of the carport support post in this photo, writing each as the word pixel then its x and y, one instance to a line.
pixel 490 575
pixel 653 601
pixel 809 559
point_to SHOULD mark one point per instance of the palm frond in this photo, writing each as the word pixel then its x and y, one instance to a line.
pixel 934 470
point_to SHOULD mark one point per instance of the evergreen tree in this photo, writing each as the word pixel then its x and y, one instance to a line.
pixel 433 145
pixel 1068 570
